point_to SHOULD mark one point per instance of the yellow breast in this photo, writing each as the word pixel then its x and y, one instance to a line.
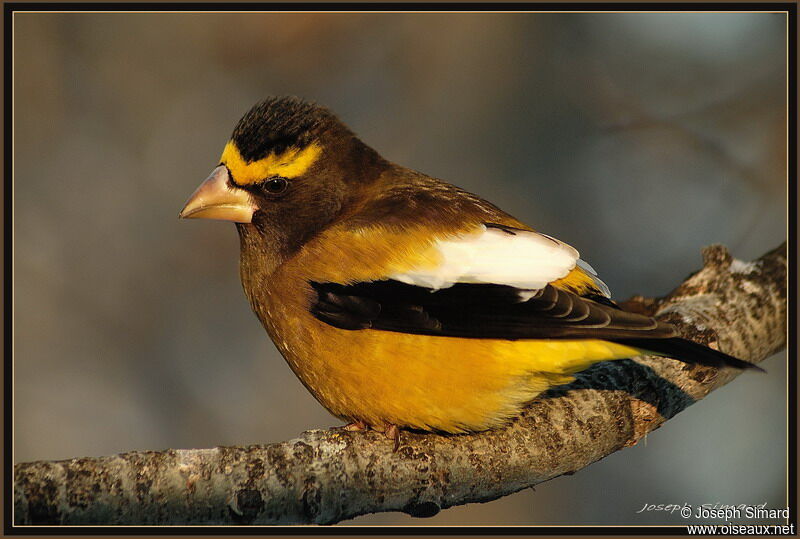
pixel 431 383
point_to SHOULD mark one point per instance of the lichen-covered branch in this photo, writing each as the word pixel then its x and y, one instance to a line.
pixel 329 476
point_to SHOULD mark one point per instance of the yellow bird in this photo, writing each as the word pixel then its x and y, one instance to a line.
pixel 399 300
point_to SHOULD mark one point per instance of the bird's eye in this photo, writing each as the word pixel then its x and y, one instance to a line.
pixel 276 186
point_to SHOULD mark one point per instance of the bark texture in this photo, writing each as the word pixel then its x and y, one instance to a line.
pixel 328 476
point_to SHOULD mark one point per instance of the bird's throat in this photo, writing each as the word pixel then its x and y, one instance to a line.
pixel 260 253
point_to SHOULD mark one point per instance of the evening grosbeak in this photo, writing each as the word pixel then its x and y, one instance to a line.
pixel 399 300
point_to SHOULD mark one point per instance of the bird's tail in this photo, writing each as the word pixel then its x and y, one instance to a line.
pixel 689 352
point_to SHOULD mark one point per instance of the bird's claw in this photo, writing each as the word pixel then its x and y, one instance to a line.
pixel 393 433
pixel 355 426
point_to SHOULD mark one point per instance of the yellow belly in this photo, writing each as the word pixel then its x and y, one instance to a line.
pixel 430 383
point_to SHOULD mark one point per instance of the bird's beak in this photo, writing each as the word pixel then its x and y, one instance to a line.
pixel 217 199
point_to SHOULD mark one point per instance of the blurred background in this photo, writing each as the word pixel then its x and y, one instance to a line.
pixel 637 138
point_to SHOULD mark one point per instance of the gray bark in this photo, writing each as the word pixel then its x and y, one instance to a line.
pixel 329 476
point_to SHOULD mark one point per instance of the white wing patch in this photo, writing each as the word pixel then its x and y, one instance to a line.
pixel 522 259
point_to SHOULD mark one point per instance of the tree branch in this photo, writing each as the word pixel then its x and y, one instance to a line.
pixel 326 476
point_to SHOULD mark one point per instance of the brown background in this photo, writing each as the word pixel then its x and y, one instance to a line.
pixel 637 138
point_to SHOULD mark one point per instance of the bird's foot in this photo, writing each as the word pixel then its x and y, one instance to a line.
pixel 393 433
pixel 355 426
pixel 389 430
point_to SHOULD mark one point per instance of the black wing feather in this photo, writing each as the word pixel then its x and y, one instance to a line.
pixel 478 311
pixel 492 311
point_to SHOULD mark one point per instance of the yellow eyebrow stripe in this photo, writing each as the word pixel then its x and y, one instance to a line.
pixel 291 163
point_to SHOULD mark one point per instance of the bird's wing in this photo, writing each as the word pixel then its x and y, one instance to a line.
pixel 499 282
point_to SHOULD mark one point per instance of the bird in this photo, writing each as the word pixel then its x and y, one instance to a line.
pixel 400 301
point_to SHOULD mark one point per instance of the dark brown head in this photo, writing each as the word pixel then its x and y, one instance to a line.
pixel 290 168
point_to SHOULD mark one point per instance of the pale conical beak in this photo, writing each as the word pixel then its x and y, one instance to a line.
pixel 216 199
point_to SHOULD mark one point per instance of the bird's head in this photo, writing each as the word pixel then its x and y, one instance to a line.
pixel 289 168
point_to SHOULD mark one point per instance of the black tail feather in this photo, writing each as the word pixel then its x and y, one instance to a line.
pixel 689 352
